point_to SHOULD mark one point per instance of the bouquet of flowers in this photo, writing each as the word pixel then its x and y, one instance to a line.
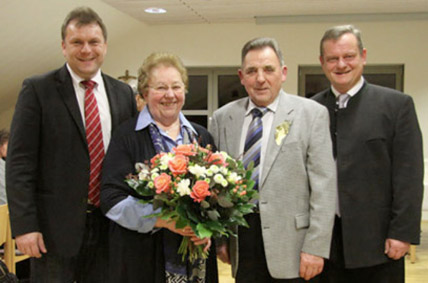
pixel 208 191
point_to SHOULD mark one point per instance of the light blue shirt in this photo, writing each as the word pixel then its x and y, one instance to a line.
pixel 130 212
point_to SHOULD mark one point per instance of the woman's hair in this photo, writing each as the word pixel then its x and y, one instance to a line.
pixel 159 59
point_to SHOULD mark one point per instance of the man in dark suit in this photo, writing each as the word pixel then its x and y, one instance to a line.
pixel 289 236
pixel 378 149
pixel 60 130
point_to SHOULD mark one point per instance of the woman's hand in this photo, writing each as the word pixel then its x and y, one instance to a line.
pixel 185 232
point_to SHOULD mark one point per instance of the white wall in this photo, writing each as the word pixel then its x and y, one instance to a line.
pixel 220 44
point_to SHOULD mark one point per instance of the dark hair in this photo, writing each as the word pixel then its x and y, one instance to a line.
pixel 334 33
pixel 4 136
pixel 84 16
pixel 260 43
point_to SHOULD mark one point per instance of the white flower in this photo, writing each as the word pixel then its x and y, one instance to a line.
pixel 197 170
pixel 214 168
pixel 154 175
pixel 164 161
pixel 151 185
pixel 218 178
pixel 225 155
pixel 141 166
pixel 209 172
pixel 183 187
pixel 143 175
pixel 233 177
pixel 224 171
pixel 224 183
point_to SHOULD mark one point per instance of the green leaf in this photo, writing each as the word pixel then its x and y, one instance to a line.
pixel 181 223
pixel 205 204
pixel 224 202
pixel 202 231
pixel 213 214
pixel 157 203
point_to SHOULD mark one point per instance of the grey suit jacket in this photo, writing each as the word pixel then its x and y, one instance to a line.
pixel 298 182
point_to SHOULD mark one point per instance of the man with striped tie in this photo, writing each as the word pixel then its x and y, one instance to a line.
pixel 60 130
pixel 287 138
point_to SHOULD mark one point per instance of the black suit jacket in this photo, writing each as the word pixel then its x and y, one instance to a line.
pixel 380 171
pixel 48 161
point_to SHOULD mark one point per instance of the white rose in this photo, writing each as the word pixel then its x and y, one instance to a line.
pixel 197 170
pixel 183 188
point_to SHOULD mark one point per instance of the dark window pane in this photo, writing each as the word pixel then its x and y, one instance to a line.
pixel 197 97
pixel 315 84
pixel 229 89
pixel 387 80
pixel 198 119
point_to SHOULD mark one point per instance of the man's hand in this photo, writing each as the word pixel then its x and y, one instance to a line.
pixel 310 265
pixel 223 252
pixel 31 244
pixel 396 249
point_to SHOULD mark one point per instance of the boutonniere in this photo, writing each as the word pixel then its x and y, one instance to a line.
pixel 281 131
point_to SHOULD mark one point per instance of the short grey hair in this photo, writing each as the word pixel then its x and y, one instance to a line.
pixel 334 33
pixel 260 43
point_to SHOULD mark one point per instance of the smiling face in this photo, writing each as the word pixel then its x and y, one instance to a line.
pixel 165 95
pixel 262 75
pixel 342 62
pixel 84 48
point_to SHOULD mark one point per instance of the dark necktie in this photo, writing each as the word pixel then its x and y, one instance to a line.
pixel 253 143
pixel 94 138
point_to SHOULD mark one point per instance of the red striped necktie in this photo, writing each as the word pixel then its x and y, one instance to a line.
pixel 94 138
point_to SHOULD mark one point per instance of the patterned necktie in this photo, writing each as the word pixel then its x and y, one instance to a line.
pixel 94 138
pixel 253 143
pixel 343 100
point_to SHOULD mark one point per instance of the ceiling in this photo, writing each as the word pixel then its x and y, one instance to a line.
pixel 224 11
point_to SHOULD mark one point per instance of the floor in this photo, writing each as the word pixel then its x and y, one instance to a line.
pixel 415 272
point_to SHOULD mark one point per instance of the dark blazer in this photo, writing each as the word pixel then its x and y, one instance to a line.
pixel 380 171
pixel 137 257
pixel 48 160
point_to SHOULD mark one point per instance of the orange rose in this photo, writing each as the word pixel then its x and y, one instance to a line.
pixel 185 149
pixel 200 191
pixel 178 165
pixel 217 159
pixel 156 158
pixel 163 183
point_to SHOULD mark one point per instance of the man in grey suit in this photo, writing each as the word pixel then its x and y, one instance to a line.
pixel 378 149
pixel 290 233
pixel 60 131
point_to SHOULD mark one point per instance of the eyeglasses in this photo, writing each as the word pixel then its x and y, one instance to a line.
pixel 163 89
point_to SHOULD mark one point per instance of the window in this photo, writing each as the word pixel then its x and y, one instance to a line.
pixel 312 79
pixel 209 89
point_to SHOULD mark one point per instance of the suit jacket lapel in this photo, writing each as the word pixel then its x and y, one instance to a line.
pixel 112 99
pixel 66 90
pixel 234 129
pixel 284 112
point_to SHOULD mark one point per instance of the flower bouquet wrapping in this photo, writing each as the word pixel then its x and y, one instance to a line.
pixel 208 191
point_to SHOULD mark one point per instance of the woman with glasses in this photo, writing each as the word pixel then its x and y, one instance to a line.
pixel 145 249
